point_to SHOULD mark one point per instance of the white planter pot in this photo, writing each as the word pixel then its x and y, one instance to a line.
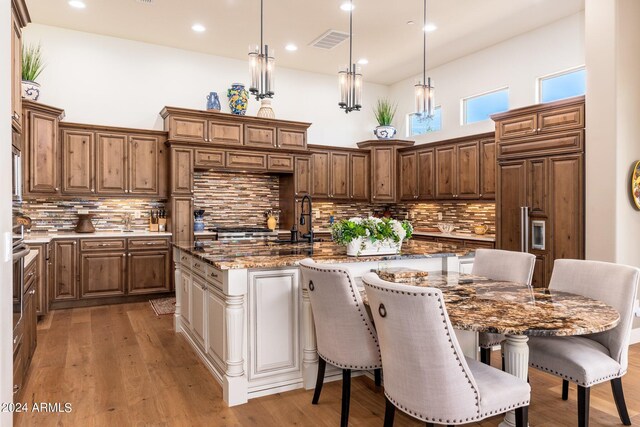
pixel 384 247
pixel 30 90
pixel 385 132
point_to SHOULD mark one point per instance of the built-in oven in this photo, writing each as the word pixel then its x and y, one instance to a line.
pixel 20 250
pixel 16 174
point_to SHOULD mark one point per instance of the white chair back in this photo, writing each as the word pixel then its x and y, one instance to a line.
pixel 509 266
pixel 345 334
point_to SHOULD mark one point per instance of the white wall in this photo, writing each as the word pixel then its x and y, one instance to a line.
pixel 6 308
pixel 515 63
pixel 112 81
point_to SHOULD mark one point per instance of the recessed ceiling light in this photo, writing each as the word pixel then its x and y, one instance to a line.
pixel 347 7
pixel 430 27
pixel 291 47
pixel 198 28
pixel 363 61
pixel 410 22
pixel 77 4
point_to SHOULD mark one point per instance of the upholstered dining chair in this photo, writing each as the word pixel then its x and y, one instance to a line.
pixel 345 335
pixel 426 375
pixel 509 266
pixel 591 359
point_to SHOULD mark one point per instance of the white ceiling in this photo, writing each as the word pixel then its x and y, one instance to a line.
pixel 381 33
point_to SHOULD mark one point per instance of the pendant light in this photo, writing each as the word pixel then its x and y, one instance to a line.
pixel 425 92
pixel 262 66
pixel 349 79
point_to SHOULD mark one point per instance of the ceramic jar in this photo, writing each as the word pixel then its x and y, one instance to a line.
pixel 30 90
pixel 238 99
pixel 265 110
pixel 213 102
pixel 272 223
pixel 384 132
pixel 198 220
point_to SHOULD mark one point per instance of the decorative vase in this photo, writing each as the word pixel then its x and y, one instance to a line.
pixel 84 224
pixel 238 99
pixel 360 247
pixel 198 220
pixel 272 223
pixel 30 90
pixel 213 102
pixel 265 110
pixel 385 132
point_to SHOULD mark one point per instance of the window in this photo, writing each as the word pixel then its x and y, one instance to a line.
pixel 419 125
pixel 562 85
pixel 480 107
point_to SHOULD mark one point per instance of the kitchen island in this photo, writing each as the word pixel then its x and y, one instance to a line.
pixel 245 310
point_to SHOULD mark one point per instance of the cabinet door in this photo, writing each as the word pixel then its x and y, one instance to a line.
pixel 538 187
pixel 182 219
pixel 43 154
pixel 144 160
pixel 42 268
pixel 181 170
pixel 302 176
pixel 209 158
pixel 292 138
pixel 517 127
pixel 426 178
pixel 77 162
pixel 148 272
pixel 30 321
pixel 102 274
pixel 339 176
pixel 198 295
pixel 468 171
pixel 446 173
pixel 216 327
pixel 359 176
pixel 16 74
pixel 259 136
pixel 185 297
pixel 566 187
pixel 65 270
pixel 488 169
pixel 511 197
pixel 188 129
pixel 280 163
pixel 561 119
pixel 111 163
pixel 320 174
pixel 225 133
pixel 383 173
pixel 408 176
pixel 245 160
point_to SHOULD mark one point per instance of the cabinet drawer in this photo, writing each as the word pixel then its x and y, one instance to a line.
pixel 280 163
pixel 292 138
pixel 100 245
pixel 147 243
pixel 240 160
pixel 225 133
pixel 517 127
pixel 199 267
pixel 184 259
pixel 187 129
pixel 260 136
pixel 570 142
pixel 560 119
pixel 209 158
pixel 476 244
pixel 214 276
pixel 30 275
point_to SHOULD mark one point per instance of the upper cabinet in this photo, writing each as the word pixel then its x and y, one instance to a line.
pixel 384 168
pixel 111 163
pixel 339 174
pixel 19 19
pixel 78 154
pixel 488 169
pixel 416 175
pixel 223 129
pixel 359 176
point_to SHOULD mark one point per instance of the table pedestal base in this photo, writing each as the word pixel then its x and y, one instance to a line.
pixel 516 362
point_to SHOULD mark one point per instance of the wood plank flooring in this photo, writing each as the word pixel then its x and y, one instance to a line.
pixel 122 365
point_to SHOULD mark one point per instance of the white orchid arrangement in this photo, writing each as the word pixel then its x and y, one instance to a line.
pixel 372 229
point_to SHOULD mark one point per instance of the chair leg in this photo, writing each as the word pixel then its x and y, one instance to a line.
pixel 389 412
pixel 485 355
pixel 565 389
pixel 430 425
pixel 583 406
pixel 522 416
pixel 322 364
pixel 618 396
pixel 346 396
pixel 378 376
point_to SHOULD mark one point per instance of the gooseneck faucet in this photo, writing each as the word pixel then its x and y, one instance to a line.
pixel 309 235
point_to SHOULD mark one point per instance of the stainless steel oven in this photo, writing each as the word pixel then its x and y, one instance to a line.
pixel 16 174
pixel 19 252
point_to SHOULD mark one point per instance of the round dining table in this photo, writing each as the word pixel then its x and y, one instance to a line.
pixel 516 310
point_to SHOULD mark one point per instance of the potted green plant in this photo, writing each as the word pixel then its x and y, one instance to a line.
pixel 371 236
pixel 384 112
pixel 32 66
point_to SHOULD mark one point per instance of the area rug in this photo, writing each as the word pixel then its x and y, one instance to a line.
pixel 163 306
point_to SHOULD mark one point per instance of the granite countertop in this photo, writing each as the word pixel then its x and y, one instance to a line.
pixel 477 304
pixel 44 237
pixel 263 254
pixel 418 232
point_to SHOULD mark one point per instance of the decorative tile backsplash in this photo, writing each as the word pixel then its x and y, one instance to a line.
pixel 235 199
pixel 61 215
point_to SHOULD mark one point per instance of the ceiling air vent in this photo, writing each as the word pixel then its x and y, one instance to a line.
pixel 145 1
pixel 330 39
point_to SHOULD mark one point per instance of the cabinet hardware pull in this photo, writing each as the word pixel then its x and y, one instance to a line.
pixel 15 340
pixel 16 388
pixel 123 255
pixel 57 188
pixel 93 190
pixel 74 243
pixel 128 254
pixel 32 273
pixel 184 258
pixel 32 291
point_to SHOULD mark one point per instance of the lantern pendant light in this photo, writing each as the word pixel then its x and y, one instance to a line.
pixel 262 66
pixel 425 91
pixel 349 79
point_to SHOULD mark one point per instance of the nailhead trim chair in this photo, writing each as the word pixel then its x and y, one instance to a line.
pixel 595 358
pixel 345 335
pixel 426 374
pixel 509 266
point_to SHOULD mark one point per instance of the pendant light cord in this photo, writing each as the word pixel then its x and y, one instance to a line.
pixel 261 23
pixel 424 45
pixel 350 32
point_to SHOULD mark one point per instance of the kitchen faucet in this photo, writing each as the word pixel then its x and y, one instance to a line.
pixel 309 235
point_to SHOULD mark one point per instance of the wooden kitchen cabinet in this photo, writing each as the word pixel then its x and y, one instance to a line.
pixel 540 119
pixel 446 172
pixel 383 174
pixel 339 175
pixel 302 178
pixel 292 138
pixel 42 264
pixel 279 163
pixel 111 163
pixel 320 174
pixel 426 181
pixel 488 169
pixel 64 285
pixel 226 133
pixel 78 159
pixel 148 272
pixel 408 165
pixel 143 159
pixel 207 159
pixel 19 19
pixel 197 309
pixel 102 274
pixel 259 136
pixel 467 171
pixel 187 129
pixel 181 170
pixel 181 218
pixel 359 176
pixel 246 160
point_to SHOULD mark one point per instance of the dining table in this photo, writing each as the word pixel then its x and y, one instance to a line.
pixel 517 310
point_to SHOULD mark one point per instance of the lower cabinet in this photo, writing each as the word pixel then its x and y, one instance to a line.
pixel 102 274
pixel 148 272
pixel 64 285
pixel 216 326
pixel 198 292
pixel 185 296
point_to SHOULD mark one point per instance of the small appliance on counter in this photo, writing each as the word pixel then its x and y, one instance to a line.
pixel 480 229
pixel 198 220
pixel 84 224
pixel 158 220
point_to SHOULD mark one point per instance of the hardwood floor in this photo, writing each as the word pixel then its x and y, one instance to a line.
pixel 122 365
